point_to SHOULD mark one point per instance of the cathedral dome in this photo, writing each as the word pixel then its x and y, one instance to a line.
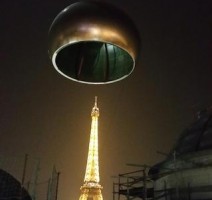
pixel 193 148
pixel 198 136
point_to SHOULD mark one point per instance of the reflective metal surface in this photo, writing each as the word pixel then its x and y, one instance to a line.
pixel 93 42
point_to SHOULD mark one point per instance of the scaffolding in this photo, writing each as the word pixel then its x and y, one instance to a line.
pixel 139 185
pixel 133 185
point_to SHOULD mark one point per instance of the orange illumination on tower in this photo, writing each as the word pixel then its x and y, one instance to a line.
pixel 91 189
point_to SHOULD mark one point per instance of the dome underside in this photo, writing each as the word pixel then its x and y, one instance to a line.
pixel 94 62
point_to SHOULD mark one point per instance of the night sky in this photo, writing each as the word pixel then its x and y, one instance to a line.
pixel 48 116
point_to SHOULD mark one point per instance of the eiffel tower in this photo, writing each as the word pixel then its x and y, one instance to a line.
pixel 91 189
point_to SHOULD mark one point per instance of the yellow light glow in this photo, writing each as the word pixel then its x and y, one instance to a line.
pixel 92 169
pixel 91 188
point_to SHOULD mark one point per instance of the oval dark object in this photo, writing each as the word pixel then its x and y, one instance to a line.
pixel 93 42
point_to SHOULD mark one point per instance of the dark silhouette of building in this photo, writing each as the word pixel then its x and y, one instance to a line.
pixel 186 173
pixel 11 189
pixel 20 180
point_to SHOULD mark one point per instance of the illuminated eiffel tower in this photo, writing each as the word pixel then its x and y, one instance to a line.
pixel 91 189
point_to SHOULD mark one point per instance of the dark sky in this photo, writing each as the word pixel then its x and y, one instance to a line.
pixel 48 116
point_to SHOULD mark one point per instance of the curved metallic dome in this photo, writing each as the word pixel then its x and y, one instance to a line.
pixel 93 42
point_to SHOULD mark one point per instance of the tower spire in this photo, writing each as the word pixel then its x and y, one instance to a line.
pixel 91 188
pixel 95 101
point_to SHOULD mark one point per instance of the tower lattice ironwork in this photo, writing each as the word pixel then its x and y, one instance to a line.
pixel 91 189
